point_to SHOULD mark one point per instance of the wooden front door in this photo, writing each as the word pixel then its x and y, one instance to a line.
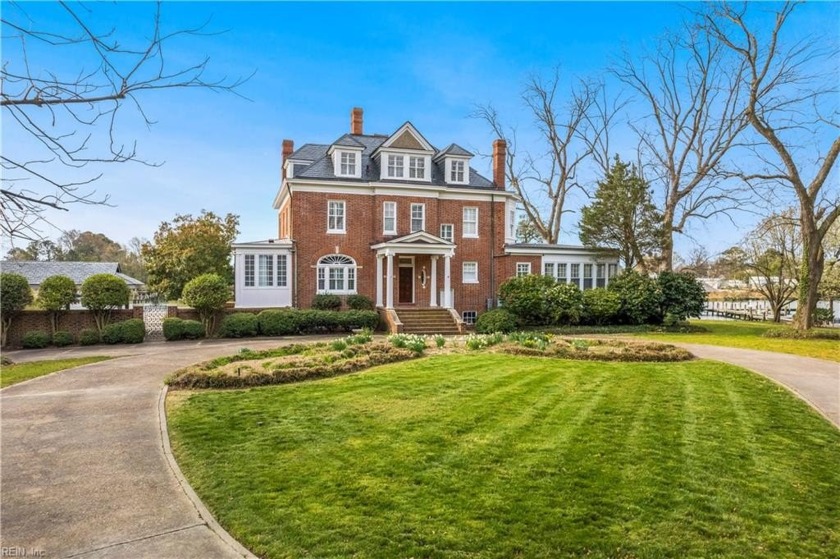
pixel 406 284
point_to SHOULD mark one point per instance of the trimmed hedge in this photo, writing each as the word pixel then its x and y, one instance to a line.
pixel 793 333
pixel 360 303
pixel 131 331
pixel 325 302
pixel 600 306
pixel 35 339
pixel 239 325
pixel 89 336
pixel 281 322
pixel 62 338
pixel 177 329
pixel 497 320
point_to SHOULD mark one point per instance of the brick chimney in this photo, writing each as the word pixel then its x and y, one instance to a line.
pixel 499 157
pixel 288 149
pixel 356 120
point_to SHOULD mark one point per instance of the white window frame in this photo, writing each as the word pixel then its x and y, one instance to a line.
pixel 250 270
pixel 451 237
pixel 417 163
pixel 347 168
pixel 386 217
pixel 456 168
pixel 471 277
pixel 548 269
pixel 343 205
pixel 336 267
pixel 265 270
pixel 523 269
pixel 395 163
pixel 422 208
pixel 281 270
pixel 466 224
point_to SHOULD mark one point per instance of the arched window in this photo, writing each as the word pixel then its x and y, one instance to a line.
pixel 336 274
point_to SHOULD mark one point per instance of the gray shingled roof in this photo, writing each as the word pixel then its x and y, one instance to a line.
pixel 348 140
pixel 322 166
pixel 453 149
pixel 36 272
pixel 543 246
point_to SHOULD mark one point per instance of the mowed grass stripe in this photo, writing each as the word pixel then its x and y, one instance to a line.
pixel 500 456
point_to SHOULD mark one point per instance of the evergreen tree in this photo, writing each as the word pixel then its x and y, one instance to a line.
pixel 623 217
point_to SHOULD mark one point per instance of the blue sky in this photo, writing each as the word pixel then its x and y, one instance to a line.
pixel 429 63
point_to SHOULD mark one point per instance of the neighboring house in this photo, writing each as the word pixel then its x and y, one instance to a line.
pixel 36 272
pixel 404 223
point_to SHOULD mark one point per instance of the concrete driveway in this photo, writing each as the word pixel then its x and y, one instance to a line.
pixel 84 472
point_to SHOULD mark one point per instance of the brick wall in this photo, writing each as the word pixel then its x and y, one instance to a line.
pixel 71 321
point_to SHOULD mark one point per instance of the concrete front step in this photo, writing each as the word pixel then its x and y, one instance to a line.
pixel 428 321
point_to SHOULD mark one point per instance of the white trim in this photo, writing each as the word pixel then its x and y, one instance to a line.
pixel 411 265
pixel 407 127
pixel 383 188
pixel 449 161
pixel 357 164
pixel 527 272
pixel 452 225
pixel 343 230
pixel 553 250
pixel 422 218
pixel 384 230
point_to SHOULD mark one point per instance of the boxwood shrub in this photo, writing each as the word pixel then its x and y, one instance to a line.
pixel 130 331
pixel 193 330
pixel 89 336
pixel 497 320
pixel 600 306
pixel 35 339
pixel 280 322
pixel 178 329
pixel 63 338
pixel 359 303
pixel 326 302
pixel 239 325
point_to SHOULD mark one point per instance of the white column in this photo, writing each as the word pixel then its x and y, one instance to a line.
pixel 389 278
pixel 378 280
pixel 447 281
pixel 433 301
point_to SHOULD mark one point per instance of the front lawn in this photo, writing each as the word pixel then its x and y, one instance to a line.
pixel 748 335
pixel 19 372
pixel 489 455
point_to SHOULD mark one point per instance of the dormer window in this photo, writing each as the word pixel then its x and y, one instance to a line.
pixel 456 171
pixel 348 164
pixel 416 167
pixel 395 166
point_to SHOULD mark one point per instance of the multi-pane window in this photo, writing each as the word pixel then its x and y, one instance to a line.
pixel 512 217
pixel 469 317
pixel 282 270
pixel 447 232
pixel 561 273
pixel 389 218
pixel 548 269
pixel 418 217
pixel 416 167
pixel 336 274
pixel 395 166
pixel 470 272
pixel 335 216
pixel 523 269
pixel 612 270
pixel 470 225
pixel 575 274
pixel 601 275
pixel 456 171
pixel 587 276
pixel 348 163
pixel 249 270
pixel 265 270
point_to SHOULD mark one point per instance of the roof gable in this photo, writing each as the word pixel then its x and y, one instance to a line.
pixel 407 137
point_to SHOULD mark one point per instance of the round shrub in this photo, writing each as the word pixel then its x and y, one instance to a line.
pixel 89 336
pixel 239 325
pixel 360 303
pixel 527 297
pixel 640 296
pixel 600 306
pixel 173 329
pixel 682 295
pixel 35 339
pixel 497 320
pixel 15 294
pixel 112 333
pixel 62 338
pixel 281 322
pixel 326 302
pixel 193 330
pixel 207 294
pixel 132 331
pixel 565 303
pixel 55 296
pixel 102 293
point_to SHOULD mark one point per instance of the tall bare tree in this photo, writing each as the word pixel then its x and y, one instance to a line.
pixel 571 134
pixel 773 250
pixel 694 116
pixel 70 111
pixel 792 105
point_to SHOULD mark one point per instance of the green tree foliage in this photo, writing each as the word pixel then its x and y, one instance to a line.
pixel 540 300
pixel 682 295
pixel 731 264
pixel 641 298
pixel 87 246
pixel 101 294
pixel 55 296
pixel 15 294
pixel 526 232
pixel 188 247
pixel 622 216
pixel 207 294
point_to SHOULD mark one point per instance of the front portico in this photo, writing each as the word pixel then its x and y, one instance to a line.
pixel 415 285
